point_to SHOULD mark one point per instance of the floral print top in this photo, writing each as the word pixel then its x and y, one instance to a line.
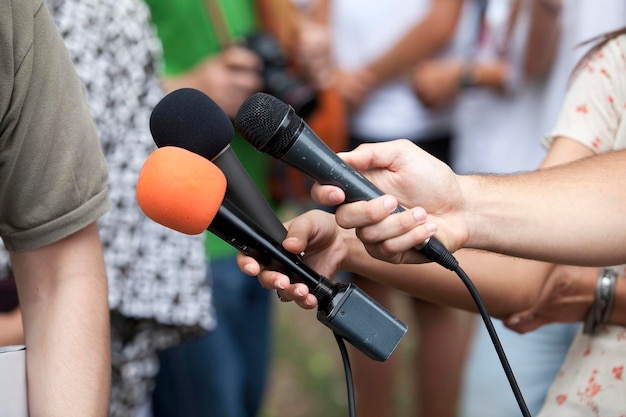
pixel 591 380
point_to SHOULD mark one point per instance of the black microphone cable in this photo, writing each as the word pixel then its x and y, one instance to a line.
pixel 435 251
pixel 348 372
pixel 490 330
pixel 494 339
pixel 482 310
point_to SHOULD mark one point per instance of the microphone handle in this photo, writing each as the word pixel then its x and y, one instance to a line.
pixel 243 193
pixel 237 229
pixel 325 167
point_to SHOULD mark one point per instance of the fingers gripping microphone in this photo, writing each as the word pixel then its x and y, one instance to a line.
pixel 185 192
pixel 272 127
pixel 189 119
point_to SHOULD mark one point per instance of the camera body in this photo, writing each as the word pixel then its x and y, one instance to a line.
pixel 276 76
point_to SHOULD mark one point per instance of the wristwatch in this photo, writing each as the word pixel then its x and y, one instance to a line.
pixel 467 80
pixel 603 301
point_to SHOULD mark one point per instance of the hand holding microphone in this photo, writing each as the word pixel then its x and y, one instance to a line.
pixel 272 127
pixel 185 192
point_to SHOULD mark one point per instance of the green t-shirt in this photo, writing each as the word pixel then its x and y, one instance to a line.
pixel 186 29
pixel 186 32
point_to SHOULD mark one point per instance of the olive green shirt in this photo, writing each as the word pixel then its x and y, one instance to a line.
pixel 53 177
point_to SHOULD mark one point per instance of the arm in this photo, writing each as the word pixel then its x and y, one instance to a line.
pixel 11 325
pixel 539 215
pixel 577 220
pixel 63 289
pixel 543 37
pixel 566 292
pixel 566 296
pixel 425 39
pixel 437 82
pixel 506 284
pixel 312 53
pixel 53 188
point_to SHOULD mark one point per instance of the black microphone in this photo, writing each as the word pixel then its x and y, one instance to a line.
pixel 189 119
pixel 185 192
pixel 342 307
pixel 274 128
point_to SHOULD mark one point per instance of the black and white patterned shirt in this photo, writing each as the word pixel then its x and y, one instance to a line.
pixel 153 272
pixel 157 286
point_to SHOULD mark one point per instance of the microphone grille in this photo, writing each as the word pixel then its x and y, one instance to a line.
pixel 189 119
pixel 259 120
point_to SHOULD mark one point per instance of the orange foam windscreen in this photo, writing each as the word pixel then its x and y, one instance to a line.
pixel 180 189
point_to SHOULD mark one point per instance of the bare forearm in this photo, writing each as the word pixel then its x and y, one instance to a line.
pixel 63 295
pixel 506 284
pixel 570 214
pixel 492 75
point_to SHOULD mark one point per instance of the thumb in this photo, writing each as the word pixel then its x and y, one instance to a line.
pixel 376 155
pixel 524 322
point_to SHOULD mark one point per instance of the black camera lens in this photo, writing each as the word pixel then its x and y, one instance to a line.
pixel 276 77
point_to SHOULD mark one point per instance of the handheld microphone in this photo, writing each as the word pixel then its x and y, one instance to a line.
pixel 274 128
pixel 185 192
pixel 189 119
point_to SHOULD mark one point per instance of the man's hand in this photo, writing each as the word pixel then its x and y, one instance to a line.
pixel 314 232
pixel 416 179
pixel 328 249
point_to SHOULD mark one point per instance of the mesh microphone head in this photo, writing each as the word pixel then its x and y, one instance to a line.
pixel 189 119
pixel 269 124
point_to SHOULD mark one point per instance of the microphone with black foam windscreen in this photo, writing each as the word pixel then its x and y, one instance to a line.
pixel 189 119
pixel 273 127
pixel 185 192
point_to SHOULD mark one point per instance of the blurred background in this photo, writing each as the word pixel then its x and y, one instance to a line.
pixel 307 377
